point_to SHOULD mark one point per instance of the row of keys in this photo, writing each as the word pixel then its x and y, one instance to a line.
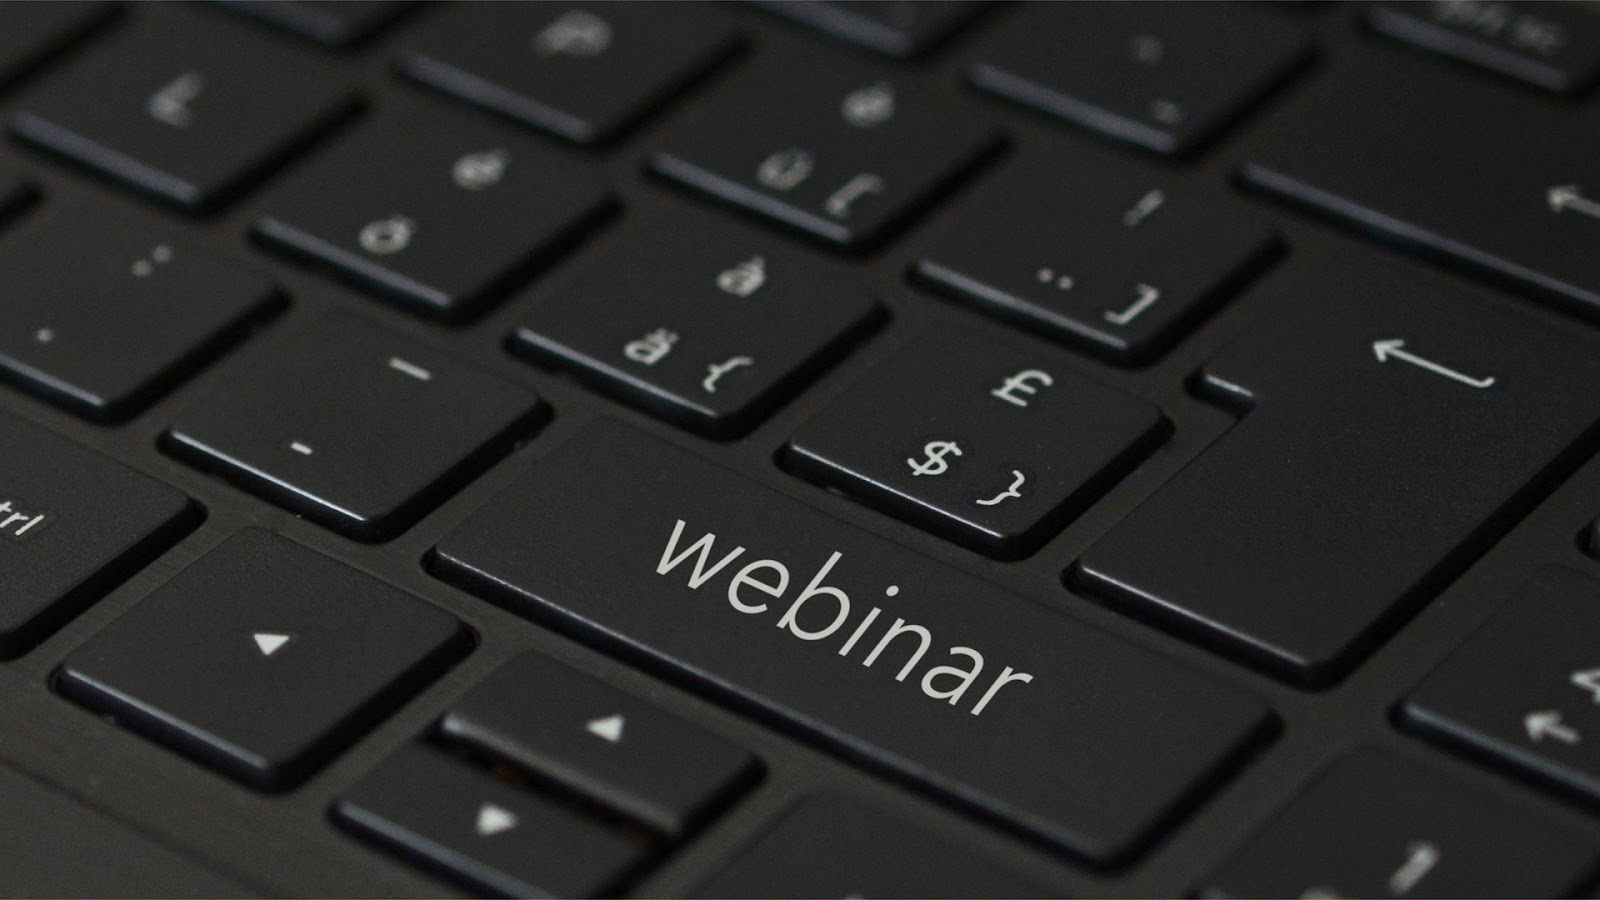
pixel 562 728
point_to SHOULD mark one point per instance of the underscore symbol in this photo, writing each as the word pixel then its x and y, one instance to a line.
pixel 1421 857
pixel 1145 297
pixel 1547 724
pixel 1391 349
pixel 405 367
pixel 1147 205
pixel 1570 197
pixel 715 371
pixel 935 464
pixel 1017 480
pixel 300 448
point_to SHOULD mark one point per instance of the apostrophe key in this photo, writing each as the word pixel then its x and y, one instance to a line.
pixel 845 154
pixel 460 210
pixel 583 71
pixel 989 443
pixel 354 426
pixel 702 323
pixel 101 314
pixel 185 106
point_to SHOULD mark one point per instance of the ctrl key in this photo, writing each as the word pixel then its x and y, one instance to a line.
pixel 491 835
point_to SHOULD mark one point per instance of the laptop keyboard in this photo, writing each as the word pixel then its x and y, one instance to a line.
pixel 799 449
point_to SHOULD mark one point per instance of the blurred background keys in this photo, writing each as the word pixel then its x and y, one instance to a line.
pixel 456 210
pixel 582 71
pixel 101 314
pixel 898 28
pixel 1166 76
pixel 1555 46
pixel 845 154
pixel 185 106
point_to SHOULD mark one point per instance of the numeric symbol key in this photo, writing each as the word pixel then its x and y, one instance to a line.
pixel 990 444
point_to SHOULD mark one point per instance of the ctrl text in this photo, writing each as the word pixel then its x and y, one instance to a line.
pixel 15 523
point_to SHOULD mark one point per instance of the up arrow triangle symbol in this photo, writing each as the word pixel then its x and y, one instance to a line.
pixel 609 728
pixel 269 642
pixel 493 820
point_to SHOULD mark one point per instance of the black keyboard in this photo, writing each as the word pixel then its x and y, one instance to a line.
pixel 819 449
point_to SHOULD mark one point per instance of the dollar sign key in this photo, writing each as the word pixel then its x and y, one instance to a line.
pixel 935 464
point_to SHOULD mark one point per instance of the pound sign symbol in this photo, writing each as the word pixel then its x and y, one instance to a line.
pixel 1023 381
pixel 935 464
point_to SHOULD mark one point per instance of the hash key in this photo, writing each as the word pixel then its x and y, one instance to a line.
pixel 704 324
pixel 1166 76
pixel 354 426
pixel 185 106
pixel 262 659
pixel 1097 252
pixel 100 314
pixel 1524 689
pixel 72 525
pixel 990 444
pixel 845 154
pixel 583 71
pixel 1377 824
pixel 432 207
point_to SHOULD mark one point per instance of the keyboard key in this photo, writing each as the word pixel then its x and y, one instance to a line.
pixel 102 315
pixel 1555 46
pixel 830 846
pixel 108 858
pixel 332 23
pixel 1469 172
pixel 845 154
pixel 489 834
pixel 899 28
pixel 73 525
pixel 991 444
pixel 708 326
pixel 1397 425
pixel 355 427
pixel 454 212
pixel 263 659
pixel 35 32
pixel 598 741
pixel 1103 255
pixel 1524 690
pixel 1381 825
pixel 186 107
pixel 999 704
pixel 1166 76
pixel 584 71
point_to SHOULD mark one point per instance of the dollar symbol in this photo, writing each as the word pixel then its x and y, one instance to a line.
pixel 935 464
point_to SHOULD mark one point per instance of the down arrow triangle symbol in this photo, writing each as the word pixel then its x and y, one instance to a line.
pixel 269 642
pixel 609 728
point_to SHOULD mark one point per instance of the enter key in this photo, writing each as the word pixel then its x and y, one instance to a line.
pixel 1394 426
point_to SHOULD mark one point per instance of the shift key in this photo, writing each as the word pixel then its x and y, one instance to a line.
pixel 890 659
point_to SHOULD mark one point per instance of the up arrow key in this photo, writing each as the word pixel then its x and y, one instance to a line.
pixel 609 728
pixel 1547 723
pixel 269 642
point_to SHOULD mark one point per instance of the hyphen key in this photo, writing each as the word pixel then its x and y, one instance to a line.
pixel 888 657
